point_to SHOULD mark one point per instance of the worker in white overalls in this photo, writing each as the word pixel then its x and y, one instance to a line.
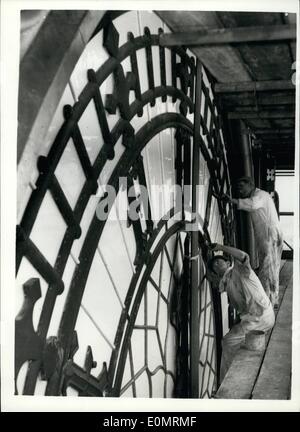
pixel 267 232
pixel 246 294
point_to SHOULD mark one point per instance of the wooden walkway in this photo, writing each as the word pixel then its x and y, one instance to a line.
pixel 267 374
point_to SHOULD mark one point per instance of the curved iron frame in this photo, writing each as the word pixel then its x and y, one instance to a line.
pixel 65 344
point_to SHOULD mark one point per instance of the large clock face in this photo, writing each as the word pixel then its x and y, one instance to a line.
pixel 109 295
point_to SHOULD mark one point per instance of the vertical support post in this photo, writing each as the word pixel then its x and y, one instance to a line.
pixel 242 165
pixel 194 324
pixel 185 321
pixel 248 171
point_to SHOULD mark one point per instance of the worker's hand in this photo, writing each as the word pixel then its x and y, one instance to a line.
pixel 228 199
pixel 225 198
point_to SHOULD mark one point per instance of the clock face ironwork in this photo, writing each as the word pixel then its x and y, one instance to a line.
pixel 128 278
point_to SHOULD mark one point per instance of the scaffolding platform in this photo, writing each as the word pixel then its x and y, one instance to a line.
pixel 266 374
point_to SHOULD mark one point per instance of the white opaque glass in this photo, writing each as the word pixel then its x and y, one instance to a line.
pixel 142 386
pixel 204 348
pixel 85 222
pixel 138 349
pixel 163 322
pixel 127 374
pixel 100 299
pixel 143 72
pixel 115 252
pixel 154 354
pixel 168 67
pixel 167 280
pixel 40 387
pixel 49 229
pixel 170 386
pixel 152 297
pixel 93 56
pixel 70 174
pixel 88 335
pixel 128 393
pixel 150 20
pixel 140 318
pixel 125 23
pixel 158 383
pixel 91 131
pixel 171 348
pixel 71 391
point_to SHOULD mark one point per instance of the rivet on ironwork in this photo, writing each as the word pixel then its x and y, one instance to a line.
pixel 109 151
pixel 147 32
pixel 130 36
pixel 111 103
pixel 91 74
pixel 89 362
pixel 131 80
pixel 75 230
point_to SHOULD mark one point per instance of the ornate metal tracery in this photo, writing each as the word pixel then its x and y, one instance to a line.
pixel 52 357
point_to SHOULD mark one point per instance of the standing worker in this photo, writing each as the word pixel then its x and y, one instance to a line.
pixel 267 232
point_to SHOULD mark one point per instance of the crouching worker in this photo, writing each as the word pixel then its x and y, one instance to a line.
pixel 246 294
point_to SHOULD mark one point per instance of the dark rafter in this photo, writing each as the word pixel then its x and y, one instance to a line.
pixel 254 86
pixel 229 35
pixel 261 114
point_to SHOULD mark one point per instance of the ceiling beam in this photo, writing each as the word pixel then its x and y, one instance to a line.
pixel 261 108
pixel 224 61
pixel 261 114
pixel 274 131
pixel 229 35
pixel 254 86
